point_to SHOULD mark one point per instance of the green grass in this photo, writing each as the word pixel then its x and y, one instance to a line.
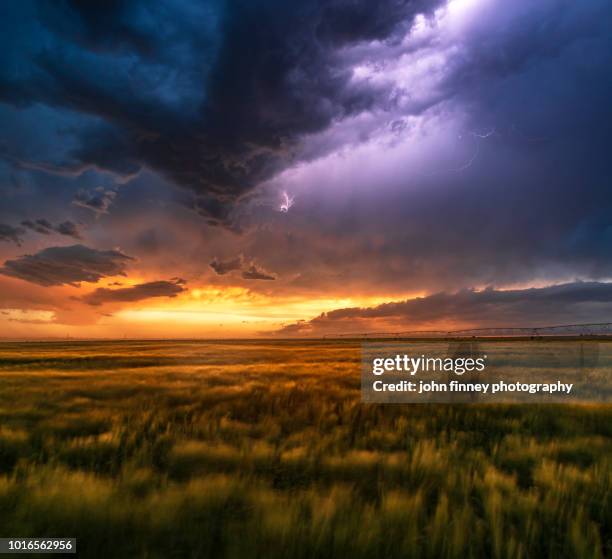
pixel 259 449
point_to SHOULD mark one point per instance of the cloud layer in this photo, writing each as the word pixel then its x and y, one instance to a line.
pixel 546 306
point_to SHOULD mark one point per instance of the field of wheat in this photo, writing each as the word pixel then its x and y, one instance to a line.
pixel 264 449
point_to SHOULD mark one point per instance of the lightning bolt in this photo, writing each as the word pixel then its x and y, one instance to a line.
pixel 483 134
pixel 287 202
pixel 469 162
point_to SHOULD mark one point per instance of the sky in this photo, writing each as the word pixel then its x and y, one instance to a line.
pixel 319 167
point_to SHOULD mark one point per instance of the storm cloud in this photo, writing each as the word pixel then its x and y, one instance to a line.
pixel 252 80
pixel 68 265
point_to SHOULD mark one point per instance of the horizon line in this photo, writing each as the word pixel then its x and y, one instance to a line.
pixel 477 332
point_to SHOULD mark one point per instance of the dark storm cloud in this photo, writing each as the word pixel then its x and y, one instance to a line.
pixel 67 265
pixel 547 306
pixel 222 267
pixel 214 96
pixel 109 25
pixel 135 292
pixel 11 234
pixel 254 272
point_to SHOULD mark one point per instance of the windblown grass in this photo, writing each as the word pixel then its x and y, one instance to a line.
pixel 234 449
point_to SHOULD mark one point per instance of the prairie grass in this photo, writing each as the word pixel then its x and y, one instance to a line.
pixel 260 449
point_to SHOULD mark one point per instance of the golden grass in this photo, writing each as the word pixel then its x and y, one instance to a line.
pixel 247 449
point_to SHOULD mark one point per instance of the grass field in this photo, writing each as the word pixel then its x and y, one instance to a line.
pixel 263 449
